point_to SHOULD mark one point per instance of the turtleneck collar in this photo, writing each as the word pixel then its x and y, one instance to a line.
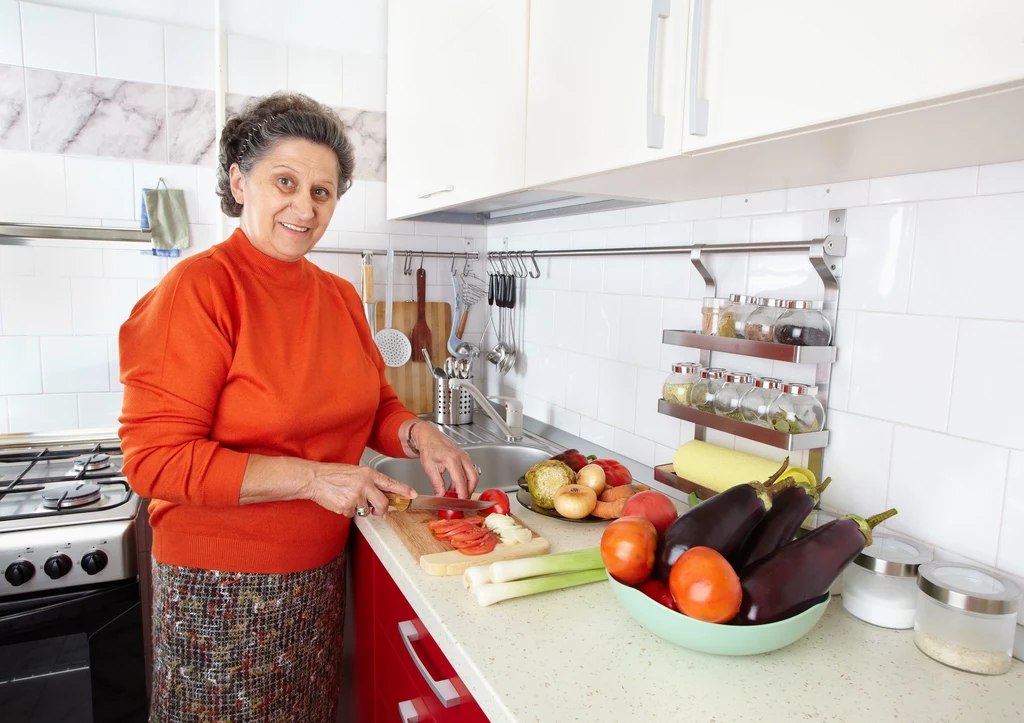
pixel 285 273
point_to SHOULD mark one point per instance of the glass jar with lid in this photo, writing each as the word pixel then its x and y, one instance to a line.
pixel 678 386
pixel 880 587
pixel 740 307
pixel 703 393
pixel 755 403
pixel 760 324
pixel 727 401
pixel 801 323
pixel 966 617
pixel 797 410
pixel 715 321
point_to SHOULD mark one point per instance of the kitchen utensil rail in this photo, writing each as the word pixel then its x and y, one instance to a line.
pixel 23 234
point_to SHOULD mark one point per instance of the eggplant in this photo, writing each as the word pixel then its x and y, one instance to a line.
pixel 790 580
pixel 722 522
pixel 790 507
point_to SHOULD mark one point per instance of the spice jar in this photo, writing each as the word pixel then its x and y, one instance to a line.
pixel 727 401
pixel 880 587
pixel 760 325
pixel 703 393
pixel 716 322
pixel 802 324
pixel 679 384
pixel 966 617
pixel 797 410
pixel 740 307
pixel 755 403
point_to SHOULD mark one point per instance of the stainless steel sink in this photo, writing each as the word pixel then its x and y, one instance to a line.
pixel 501 466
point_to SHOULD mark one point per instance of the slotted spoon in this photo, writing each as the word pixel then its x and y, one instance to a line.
pixel 394 345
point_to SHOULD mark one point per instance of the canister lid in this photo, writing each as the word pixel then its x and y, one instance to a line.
pixel 742 299
pixel 712 373
pixel 799 389
pixel 739 377
pixel 686 368
pixel 802 305
pixel 715 302
pixel 893 556
pixel 969 588
pixel 769 383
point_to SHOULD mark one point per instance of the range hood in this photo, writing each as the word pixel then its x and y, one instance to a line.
pixel 525 206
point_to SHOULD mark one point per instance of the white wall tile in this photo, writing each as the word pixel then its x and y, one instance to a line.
pixel 749 204
pixel 113 367
pixel 100 188
pixel 365 81
pixel 879 253
pixel 74 364
pixel 597 433
pixel 67 262
pixel 350 213
pixel 952 183
pixel 583 380
pixel 565 420
pixel 728 270
pixel 206 191
pixel 858 456
pixel 844 340
pixel 903 368
pixel 617 403
pixel 148 175
pixel 32 183
pixel 725 230
pixel 624 275
pixel 129 49
pixel 586 273
pixel 58 39
pixel 601 327
pixel 316 72
pixel 102 305
pixel 327 262
pixel 640 330
pixel 986 404
pixel 99 411
pixel 17 261
pixel 256 67
pixel 548 369
pixel 666 276
pixel 695 210
pixel 19 365
pixel 953 233
pixel 657 213
pixel 189 57
pixel 650 424
pixel 780 276
pixel 801 226
pixel 681 314
pixel 673 233
pixel 540 316
pixel 43 413
pixel 1011 536
pixel 1001 178
pixel 132 265
pixel 927 487
pixel 634 447
pixel 10 33
pixel 827 196
pixel 35 306
pixel 376 211
pixel 4 428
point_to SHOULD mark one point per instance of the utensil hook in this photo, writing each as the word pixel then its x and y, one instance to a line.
pixel 453 263
pixel 520 264
pixel 407 266
pixel 533 258
pixel 421 260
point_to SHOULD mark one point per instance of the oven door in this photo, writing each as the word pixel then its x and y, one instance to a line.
pixel 73 657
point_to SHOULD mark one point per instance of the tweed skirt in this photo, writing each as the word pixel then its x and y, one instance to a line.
pixel 240 647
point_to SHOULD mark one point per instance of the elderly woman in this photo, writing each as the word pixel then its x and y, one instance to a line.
pixel 252 387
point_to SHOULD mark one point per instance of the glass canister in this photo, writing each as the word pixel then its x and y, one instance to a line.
pixel 760 325
pixel 797 410
pixel 966 617
pixel 801 323
pixel 880 587
pixel 715 320
pixel 703 393
pixel 727 401
pixel 740 307
pixel 679 384
pixel 755 403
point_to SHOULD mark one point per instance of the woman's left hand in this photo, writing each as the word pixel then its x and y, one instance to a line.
pixel 438 454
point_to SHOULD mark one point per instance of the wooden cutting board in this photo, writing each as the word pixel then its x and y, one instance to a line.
pixel 414 382
pixel 440 558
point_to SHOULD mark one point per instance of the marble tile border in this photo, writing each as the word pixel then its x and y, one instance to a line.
pixel 13 109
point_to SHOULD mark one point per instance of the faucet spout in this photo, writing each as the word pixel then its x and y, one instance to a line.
pixel 512 425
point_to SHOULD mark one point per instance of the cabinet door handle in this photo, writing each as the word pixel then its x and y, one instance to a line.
pixel 408 713
pixel 660 9
pixel 698 106
pixel 443 189
pixel 443 689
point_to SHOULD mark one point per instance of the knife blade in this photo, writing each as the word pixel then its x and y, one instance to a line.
pixel 432 504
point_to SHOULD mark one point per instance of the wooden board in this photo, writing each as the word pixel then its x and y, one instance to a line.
pixel 414 382
pixel 440 558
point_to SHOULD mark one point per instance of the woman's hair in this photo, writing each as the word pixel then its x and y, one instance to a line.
pixel 250 133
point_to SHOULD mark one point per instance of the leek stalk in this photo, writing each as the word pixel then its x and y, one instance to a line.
pixel 490 593
pixel 525 567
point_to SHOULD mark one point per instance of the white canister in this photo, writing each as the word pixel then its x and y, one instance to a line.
pixel 880 585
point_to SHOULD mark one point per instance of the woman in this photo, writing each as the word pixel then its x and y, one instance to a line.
pixel 252 387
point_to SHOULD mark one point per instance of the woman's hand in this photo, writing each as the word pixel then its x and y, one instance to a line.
pixel 344 488
pixel 438 454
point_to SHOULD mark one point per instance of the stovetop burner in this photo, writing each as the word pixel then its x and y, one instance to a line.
pixel 92 462
pixel 74 495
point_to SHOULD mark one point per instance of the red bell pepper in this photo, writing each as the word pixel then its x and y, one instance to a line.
pixel 615 473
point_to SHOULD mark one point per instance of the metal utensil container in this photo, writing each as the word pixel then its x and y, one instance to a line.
pixel 452 405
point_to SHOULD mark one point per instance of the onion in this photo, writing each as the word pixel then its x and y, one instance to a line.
pixel 575 501
pixel 592 476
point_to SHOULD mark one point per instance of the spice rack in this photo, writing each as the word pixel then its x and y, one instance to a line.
pixel 771 437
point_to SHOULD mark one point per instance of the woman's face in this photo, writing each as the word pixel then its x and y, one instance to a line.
pixel 288 197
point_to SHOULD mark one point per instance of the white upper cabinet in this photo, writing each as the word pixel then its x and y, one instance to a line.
pixel 774 67
pixel 606 85
pixel 456 120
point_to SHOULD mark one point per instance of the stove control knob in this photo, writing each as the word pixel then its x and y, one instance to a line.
pixel 20 572
pixel 57 566
pixel 93 562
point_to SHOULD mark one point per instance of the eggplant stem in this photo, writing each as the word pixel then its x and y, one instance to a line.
pixel 771 480
pixel 881 517
pixel 777 487
pixel 821 488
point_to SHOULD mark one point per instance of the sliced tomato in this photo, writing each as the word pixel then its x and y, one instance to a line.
pixel 474 535
pixel 481 548
pixel 445 525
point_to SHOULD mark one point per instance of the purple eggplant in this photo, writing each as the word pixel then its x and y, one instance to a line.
pixel 790 507
pixel 791 579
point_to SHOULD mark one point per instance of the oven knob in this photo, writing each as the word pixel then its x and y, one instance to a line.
pixel 93 562
pixel 57 566
pixel 20 572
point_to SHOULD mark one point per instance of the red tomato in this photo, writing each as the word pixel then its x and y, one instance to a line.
pixel 654 506
pixel 481 548
pixel 473 534
pixel 627 549
pixel 615 473
pixel 450 514
pixel 500 500
pixel 658 591
pixel 705 586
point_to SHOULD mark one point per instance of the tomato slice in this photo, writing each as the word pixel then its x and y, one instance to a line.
pixel 474 535
pixel 481 548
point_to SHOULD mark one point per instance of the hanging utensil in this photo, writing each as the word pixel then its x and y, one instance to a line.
pixel 421 335
pixel 394 345
pixel 368 290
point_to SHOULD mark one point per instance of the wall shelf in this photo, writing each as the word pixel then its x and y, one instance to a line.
pixel 779 440
pixel 665 474
pixel 745 347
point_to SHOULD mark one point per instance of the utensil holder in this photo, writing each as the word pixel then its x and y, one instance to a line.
pixel 452 405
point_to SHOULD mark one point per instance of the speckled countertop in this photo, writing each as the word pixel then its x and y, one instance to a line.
pixel 576 655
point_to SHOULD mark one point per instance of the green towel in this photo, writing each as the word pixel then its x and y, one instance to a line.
pixel 168 216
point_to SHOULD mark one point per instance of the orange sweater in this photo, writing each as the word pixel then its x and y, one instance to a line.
pixel 235 352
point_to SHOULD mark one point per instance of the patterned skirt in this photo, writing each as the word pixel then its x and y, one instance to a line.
pixel 246 647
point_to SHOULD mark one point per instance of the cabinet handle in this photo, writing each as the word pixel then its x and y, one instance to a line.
pixel 698 106
pixel 655 121
pixel 443 189
pixel 443 689
pixel 408 713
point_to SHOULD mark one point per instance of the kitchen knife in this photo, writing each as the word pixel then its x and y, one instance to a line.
pixel 432 504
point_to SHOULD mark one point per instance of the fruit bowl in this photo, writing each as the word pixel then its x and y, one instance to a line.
pixel 705 637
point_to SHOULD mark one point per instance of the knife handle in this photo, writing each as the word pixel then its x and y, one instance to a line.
pixel 397 501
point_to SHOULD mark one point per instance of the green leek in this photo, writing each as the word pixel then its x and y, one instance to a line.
pixel 490 593
pixel 525 567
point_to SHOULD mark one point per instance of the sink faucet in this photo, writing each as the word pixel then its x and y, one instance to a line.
pixel 512 425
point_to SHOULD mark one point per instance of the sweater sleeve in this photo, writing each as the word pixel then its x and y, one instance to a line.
pixel 175 351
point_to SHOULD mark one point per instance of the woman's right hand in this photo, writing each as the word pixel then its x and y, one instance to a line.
pixel 342 488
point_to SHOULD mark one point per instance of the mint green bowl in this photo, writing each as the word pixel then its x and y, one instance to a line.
pixel 710 637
